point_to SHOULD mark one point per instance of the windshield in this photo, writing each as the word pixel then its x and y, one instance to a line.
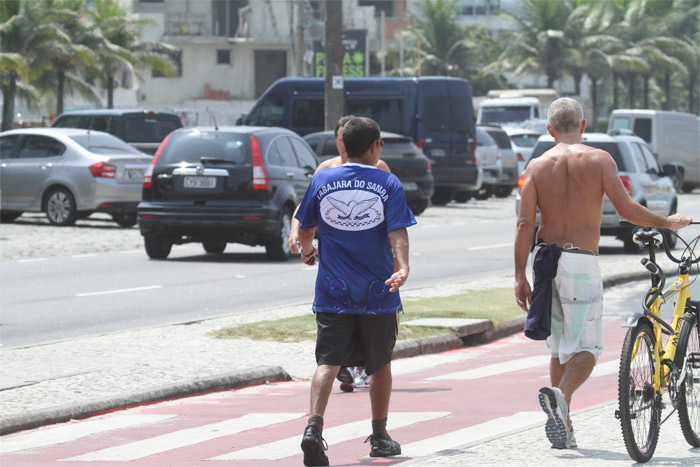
pixel 525 141
pixel 100 143
pixel 505 114
pixel 192 147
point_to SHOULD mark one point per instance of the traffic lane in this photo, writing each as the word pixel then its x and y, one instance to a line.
pixel 439 402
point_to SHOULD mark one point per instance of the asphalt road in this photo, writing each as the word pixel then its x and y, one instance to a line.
pixel 59 283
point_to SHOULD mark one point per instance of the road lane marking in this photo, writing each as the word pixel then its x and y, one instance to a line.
pixel 494 369
pixel 68 432
pixel 472 434
pixel 405 366
pixel 187 437
pixel 604 369
pixel 486 247
pixel 290 446
pixel 108 292
pixel 31 260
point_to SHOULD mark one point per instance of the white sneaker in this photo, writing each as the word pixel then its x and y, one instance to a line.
pixel 572 440
pixel 361 378
pixel 557 410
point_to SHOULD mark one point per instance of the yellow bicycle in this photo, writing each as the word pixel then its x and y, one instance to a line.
pixel 648 367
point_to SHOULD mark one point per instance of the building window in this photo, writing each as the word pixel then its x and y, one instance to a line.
pixel 480 7
pixel 223 57
pixel 226 16
pixel 176 58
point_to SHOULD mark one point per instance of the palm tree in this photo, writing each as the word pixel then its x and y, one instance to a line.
pixel 118 45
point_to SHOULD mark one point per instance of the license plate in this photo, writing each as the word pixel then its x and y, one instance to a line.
pixel 134 174
pixel 437 152
pixel 410 186
pixel 200 182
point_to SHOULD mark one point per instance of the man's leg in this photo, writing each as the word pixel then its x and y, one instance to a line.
pixel 312 442
pixel 321 387
pixel 380 392
pixel 576 372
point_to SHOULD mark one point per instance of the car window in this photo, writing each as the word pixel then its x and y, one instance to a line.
pixel 192 147
pixel 437 113
pixel 386 112
pixel 282 153
pixel 308 114
pixel 611 147
pixel 305 157
pixel 7 145
pixel 35 146
pixel 501 138
pixel 100 123
pixel 620 123
pixel 642 128
pixel 651 162
pixel 483 138
pixel 103 144
pixel 69 121
pixel 148 129
pixel 639 158
pixel 268 113
pixel 329 147
pixel 504 114
pixel 312 141
pixel 525 141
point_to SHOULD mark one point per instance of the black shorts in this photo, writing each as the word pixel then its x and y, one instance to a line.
pixel 356 340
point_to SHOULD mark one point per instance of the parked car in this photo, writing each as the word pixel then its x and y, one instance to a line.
pixel 646 181
pixel 509 162
pixel 523 141
pixel 69 173
pixel 219 185
pixel 403 157
pixel 488 159
pixel 142 129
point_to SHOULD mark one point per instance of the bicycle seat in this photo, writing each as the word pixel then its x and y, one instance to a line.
pixel 647 237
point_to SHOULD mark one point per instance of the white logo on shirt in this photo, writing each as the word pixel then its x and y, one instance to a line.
pixel 352 210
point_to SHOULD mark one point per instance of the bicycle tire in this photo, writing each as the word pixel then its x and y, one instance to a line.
pixel 640 411
pixel 689 392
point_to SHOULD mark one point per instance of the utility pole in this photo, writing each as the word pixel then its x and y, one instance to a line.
pixel 334 104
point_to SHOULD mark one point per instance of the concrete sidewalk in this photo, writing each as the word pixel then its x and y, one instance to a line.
pixel 76 378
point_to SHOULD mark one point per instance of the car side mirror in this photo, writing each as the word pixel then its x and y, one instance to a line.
pixel 670 170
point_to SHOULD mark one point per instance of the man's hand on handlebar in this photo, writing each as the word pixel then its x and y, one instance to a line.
pixel 678 221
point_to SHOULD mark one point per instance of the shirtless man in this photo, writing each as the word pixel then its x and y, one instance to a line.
pixel 567 184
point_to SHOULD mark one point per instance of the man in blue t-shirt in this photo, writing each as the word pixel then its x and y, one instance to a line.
pixel 362 216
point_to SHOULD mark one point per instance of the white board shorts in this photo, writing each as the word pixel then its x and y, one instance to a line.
pixel 577 307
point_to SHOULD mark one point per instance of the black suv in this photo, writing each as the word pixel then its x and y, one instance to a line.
pixel 403 157
pixel 224 185
pixel 142 129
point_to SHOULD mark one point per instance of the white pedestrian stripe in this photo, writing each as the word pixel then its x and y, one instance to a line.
pixel 110 292
pixel 405 366
pixel 290 446
pixel 604 369
pixel 472 434
pixel 187 437
pixel 69 432
pixel 494 369
pixel 488 247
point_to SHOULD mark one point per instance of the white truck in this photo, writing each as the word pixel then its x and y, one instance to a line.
pixel 673 136
pixel 508 111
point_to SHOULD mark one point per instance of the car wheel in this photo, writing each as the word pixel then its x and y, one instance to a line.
pixel 276 246
pixel 60 207
pixel 503 191
pixel 678 181
pixel 125 219
pixel 484 193
pixel 441 196
pixel 9 216
pixel 214 247
pixel 463 196
pixel 157 247
pixel 672 238
pixel 417 207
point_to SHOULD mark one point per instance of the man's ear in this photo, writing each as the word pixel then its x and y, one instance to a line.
pixel 583 126
pixel 550 130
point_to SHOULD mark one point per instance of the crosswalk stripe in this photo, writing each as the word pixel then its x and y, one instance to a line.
pixel 494 369
pixel 186 437
pixel 481 432
pixel 604 369
pixel 68 432
pixel 424 362
pixel 290 446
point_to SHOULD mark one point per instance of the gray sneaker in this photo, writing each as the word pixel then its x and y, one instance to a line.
pixel 557 410
pixel 572 441
pixel 383 446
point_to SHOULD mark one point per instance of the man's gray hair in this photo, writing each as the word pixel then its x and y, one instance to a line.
pixel 565 115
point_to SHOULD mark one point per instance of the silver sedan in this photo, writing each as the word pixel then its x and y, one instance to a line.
pixel 69 173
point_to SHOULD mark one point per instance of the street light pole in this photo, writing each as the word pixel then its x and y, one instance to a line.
pixel 334 104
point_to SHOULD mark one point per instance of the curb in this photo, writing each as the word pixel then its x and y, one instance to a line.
pixel 196 387
pixel 474 335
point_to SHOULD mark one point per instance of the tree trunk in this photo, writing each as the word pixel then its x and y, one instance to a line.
pixel 577 83
pixel 334 104
pixel 550 80
pixel 614 89
pixel 8 103
pixel 646 91
pixel 631 90
pixel 594 102
pixel 667 90
pixel 60 89
pixel 691 91
pixel 110 91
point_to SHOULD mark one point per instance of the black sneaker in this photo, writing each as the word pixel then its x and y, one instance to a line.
pixel 383 447
pixel 313 446
pixel 344 375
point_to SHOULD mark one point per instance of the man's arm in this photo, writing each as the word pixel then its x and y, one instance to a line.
pixel 399 245
pixel 525 231
pixel 308 252
pixel 381 165
pixel 628 208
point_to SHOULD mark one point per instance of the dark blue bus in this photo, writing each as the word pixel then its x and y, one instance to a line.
pixel 435 112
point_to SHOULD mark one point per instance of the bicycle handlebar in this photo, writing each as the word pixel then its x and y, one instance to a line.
pixel 665 233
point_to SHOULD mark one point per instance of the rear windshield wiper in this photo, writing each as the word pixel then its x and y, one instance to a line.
pixel 216 160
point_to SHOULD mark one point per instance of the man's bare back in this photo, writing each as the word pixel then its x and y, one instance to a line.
pixel 569 184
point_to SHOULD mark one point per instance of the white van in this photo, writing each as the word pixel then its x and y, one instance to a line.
pixel 673 136
pixel 503 110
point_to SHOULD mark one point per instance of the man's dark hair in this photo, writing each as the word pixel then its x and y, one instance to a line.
pixel 342 122
pixel 359 134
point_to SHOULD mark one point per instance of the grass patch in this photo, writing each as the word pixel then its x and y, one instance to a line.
pixel 497 305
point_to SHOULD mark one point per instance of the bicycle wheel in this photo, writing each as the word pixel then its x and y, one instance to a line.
pixel 689 392
pixel 640 411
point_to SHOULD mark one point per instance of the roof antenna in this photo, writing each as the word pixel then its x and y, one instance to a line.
pixel 216 127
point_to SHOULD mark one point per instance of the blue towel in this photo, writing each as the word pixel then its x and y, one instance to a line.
pixel 539 316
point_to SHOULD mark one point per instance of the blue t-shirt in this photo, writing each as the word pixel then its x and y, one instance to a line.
pixel 355 206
